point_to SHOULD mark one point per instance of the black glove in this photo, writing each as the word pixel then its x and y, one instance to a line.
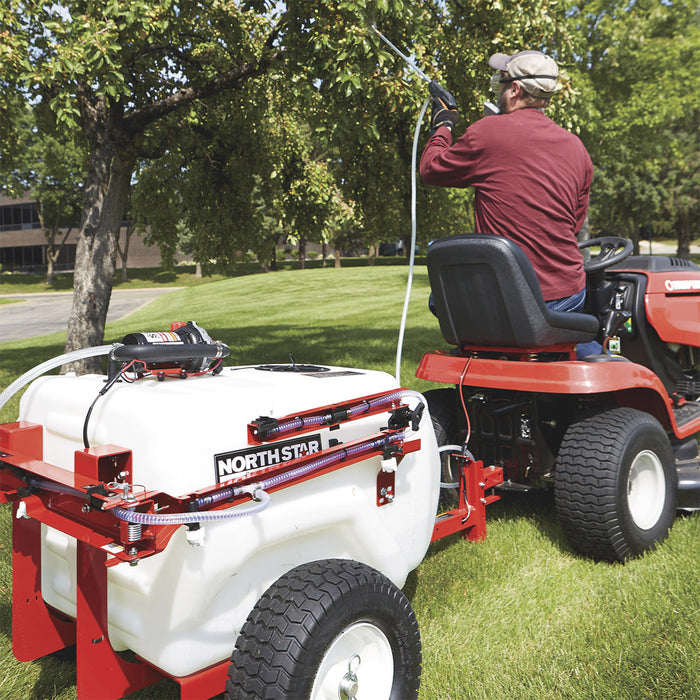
pixel 444 108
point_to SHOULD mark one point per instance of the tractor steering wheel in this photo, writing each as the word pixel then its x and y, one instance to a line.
pixel 613 250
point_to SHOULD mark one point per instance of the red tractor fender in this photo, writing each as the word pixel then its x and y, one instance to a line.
pixel 625 383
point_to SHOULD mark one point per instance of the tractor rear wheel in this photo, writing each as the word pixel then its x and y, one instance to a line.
pixel 329 629
pixel 615 484
pixel 442 405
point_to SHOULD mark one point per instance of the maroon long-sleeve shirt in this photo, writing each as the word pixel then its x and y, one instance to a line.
pixel 532 181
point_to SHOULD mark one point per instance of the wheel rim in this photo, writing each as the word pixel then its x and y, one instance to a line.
pixel 646 490
pixel 374 668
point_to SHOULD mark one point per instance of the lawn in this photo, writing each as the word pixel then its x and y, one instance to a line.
pixel 519 616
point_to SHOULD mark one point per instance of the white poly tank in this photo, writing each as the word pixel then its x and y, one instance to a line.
pixel 182 609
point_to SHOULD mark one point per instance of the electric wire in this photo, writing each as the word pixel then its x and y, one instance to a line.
pixel 109 384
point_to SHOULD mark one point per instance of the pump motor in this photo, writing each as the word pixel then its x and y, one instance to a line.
pixel 186 347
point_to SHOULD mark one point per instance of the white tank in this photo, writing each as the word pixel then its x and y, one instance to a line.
pixel 182 609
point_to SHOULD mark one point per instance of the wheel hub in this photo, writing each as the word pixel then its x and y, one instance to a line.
pixel 358 665
pixel 646 490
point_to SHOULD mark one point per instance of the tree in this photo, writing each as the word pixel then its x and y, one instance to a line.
pixel 123 74
pixel 52 169
pixel 129 75
pixel 645 88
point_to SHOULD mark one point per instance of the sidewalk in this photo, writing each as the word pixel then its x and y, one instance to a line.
pixel 42 313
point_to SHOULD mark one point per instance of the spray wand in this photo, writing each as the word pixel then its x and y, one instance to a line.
pixel 437 91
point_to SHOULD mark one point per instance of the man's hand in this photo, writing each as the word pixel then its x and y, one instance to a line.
pixel 444 108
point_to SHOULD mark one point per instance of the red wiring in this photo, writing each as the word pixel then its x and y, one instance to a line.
pixel 464 405
pixel 207 370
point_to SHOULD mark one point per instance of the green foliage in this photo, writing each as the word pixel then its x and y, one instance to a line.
pixel 645 83
pixel 250 123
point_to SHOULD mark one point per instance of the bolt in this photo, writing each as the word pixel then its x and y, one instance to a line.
pixel 85 509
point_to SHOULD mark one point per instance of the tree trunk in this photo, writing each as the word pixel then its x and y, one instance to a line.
pixel 302 252
pixel 336 262
pixel 634 237
pixel 585 233
pixel 106 197
pixel 273 258
pixel 50 274
pixel 684 236
pixel 372 254
pixel 53 250
pixel 124 253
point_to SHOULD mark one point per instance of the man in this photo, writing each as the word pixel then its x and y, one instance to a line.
pixel 532 177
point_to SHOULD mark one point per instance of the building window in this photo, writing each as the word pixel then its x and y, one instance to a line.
pixel 16 217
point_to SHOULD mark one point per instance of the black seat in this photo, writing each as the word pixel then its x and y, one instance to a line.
pixel 487 294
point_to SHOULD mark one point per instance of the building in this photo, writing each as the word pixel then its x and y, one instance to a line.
pixel 23 245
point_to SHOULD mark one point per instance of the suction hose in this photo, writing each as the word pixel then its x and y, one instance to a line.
pixel 54 362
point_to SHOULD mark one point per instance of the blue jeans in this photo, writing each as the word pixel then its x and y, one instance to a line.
pixel 575 303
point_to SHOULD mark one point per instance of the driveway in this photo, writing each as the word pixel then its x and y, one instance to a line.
pixel 43 313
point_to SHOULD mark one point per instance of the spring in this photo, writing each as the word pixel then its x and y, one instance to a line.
pixel 134 532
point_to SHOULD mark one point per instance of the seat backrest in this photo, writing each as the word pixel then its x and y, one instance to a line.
pixel 487 294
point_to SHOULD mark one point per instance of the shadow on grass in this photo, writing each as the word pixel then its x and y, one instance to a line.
pixel 538 508
pixel 63 282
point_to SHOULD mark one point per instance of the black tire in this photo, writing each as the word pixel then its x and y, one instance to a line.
pixel 443 408
pixel 615 484
pixel 296 625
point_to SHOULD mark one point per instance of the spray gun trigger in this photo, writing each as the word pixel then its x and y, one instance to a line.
pixel 437 92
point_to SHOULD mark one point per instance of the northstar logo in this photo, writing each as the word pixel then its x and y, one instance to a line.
pixel 230 464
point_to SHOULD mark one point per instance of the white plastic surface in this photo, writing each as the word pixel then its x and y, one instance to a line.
pixel 182 609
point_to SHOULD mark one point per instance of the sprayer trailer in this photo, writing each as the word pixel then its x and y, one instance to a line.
pixel 174 508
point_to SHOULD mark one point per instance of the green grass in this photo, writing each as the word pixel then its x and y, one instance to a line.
pixel 518 616
pixel 181 276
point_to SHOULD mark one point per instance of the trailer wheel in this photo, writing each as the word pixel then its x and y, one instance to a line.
pixel 329 629
pixel 442 405
pixel 615 484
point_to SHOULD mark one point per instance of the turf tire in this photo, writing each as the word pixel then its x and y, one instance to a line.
pixel 295 623
pixel 442 405
pixel 594 494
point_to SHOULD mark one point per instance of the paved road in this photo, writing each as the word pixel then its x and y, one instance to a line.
pixel 43 313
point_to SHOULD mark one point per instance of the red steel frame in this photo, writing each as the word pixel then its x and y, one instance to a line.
pixel 469 517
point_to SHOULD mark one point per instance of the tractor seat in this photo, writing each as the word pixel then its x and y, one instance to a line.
pixel 487 294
